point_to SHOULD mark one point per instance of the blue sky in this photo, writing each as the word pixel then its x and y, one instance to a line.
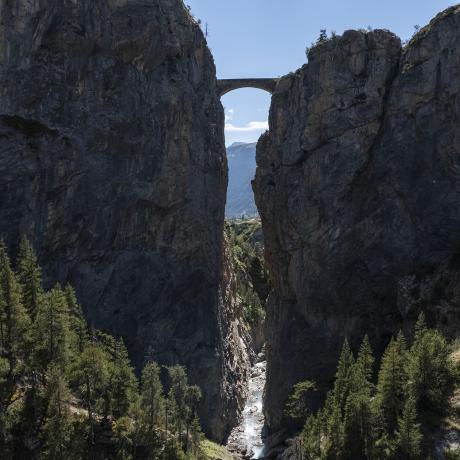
pixel 267 38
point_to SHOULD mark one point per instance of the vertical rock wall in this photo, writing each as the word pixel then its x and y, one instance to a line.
pixel 358 187
pixel 112 161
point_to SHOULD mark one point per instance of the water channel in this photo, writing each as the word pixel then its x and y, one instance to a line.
pixel 247 439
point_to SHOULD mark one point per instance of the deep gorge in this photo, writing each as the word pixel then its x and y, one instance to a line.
pixel 112 163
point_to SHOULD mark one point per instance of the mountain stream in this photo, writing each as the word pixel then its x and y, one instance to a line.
pixel 246 439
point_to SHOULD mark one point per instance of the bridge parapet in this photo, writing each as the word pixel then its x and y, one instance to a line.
pixel 226 85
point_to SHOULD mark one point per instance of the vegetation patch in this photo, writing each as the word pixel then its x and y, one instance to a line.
pixel 423 32
pixel 245 248
pixel 68 391
pixel 392 417
pixel 213 451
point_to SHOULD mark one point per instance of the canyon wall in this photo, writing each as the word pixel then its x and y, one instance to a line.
pixel 358 188
pixel 112 161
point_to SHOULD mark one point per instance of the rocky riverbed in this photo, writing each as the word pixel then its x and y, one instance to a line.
pixel 247 439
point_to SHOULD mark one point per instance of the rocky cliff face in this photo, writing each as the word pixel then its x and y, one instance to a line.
pixel 358 187
pixel 112 161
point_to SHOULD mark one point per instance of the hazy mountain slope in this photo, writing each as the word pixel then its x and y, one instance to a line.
pixel 241 169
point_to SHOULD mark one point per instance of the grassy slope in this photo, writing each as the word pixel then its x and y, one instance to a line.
pixel 216 452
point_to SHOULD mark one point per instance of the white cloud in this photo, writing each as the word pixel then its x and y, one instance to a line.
pixel 229 114
pixel 251 126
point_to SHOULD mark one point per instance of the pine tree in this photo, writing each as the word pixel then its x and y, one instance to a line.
pixel 57 430
pixel 30 278
pixel 173 450
pixel 420 327
pixel 335 436
pixel 357 418
pixel 14 320
pixel 152 404
pixel 91 375
pixel 123 383
pixel 184 398
pixel 392 383
pixel 343 377
pixel 297 403
pixel 51 331
pixel 192 399
pixel 311 437
pixel 178 394
pixel 197 437
pixel 77 322
pixel 5 393
pixel 365 363
pixel 170 414
pixel 123 430
pixel 383 448
pixel 357 426
pixel 430 368
pixel 4 371
pixel 409 437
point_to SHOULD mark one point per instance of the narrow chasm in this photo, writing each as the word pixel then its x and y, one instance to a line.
pixel 246 276
pixel 244 241
pixel 249 283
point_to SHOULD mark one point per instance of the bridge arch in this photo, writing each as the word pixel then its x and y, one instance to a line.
pixel 224 86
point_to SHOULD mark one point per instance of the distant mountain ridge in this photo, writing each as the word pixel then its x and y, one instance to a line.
pixel 242 168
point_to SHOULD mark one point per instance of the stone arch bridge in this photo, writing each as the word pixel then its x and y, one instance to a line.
pixel 266 84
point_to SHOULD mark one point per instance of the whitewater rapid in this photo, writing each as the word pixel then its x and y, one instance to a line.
pixel 247 438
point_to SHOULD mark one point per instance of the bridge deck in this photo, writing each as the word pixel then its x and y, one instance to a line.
pixel 226 85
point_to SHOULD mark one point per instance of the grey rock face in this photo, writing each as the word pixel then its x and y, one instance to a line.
pixel 358 188
pixel 112 160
